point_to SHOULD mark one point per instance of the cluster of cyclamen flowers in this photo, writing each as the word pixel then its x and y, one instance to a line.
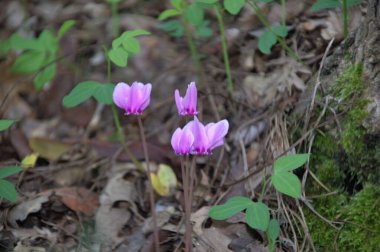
pixel 196 138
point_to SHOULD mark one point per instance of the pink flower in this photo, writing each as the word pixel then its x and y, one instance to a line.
pixel 207 138
pixel 182 141
pixel 133 99
pixel 188 104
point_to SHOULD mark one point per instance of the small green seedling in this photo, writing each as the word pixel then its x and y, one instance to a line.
pixel 7 189
pixel 38 55
pixel 257 214
pixel 122 47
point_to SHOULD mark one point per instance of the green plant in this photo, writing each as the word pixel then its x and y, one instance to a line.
pixel 122 47
pixel 257 214
pixel 7 189
pixel 5 124
pixel 332 4
pixel 38 55
pixel 115 16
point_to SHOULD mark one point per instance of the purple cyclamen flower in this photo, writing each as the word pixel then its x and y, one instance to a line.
pixel 133 99
pixel 187 105
pixel 207 138
pixel 182 141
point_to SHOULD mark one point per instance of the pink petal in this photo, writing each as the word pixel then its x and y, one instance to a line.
pixel 186 141
pixel 121 95
pixel 178 101
pixel 201 141
pixel 193 98
pixel 216 132
pixel 176 137
pixel 147 91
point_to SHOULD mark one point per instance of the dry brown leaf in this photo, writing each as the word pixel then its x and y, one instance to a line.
pixel 21 211
pixel 78 199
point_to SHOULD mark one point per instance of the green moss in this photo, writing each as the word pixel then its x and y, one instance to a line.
pixel 360 216
pixel 346 158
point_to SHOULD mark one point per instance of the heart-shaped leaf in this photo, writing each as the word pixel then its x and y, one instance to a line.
pixel 257 216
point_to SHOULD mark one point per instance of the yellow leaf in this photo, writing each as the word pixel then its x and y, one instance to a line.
pixel 157 186
pixel 166 176
pixel 29 161
pixel 49 149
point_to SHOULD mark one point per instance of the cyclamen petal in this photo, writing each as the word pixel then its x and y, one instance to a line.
pixel 133 99
pixel 188 104
pixel 182 141
pixel 216 132
pixel 121 95
pixel 201 141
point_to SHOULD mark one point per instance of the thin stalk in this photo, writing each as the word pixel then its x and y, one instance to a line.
pixel 185 182
pixel 191 45
pixel 150 188
pixel 267 25
pixel 119 128
pixel 219 16
pixel 345 18
pixel 115 18
pixel 283 12
pixel 190 177
pixel 264 187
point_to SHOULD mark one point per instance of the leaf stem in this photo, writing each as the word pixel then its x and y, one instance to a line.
pixel 345 18
pixel 267 25
pixel 283 12
pixel 150 188
pixel 223 39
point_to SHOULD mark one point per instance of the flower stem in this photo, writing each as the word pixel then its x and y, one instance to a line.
pixel 219 16
pixel 185 183
pixel 150 188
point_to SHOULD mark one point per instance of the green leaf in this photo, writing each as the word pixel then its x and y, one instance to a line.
pixel 207 1
pixel 194 13
pixel 103 93
pixel 168 13
pixel 28 62
pixel 49 41
pixel 178 4
pixel 230 208
pixel 287 183
pixel 9 170
pixel 204 31
pixel 257 216
pixel 273 230
pixel 6 123
pixel 21 43
pixel 351 3
pixel 173 27
pixel 134 33
pixel 8 190
pixel 131 45
pixel 5 47
pixel 80 93
pixel 45 76
pixel 266 1
pixel 290 162
pixel 266 41
pixel 233 6
pixel 325 4
pixel 280 30
pixel 65 27
pixel 118 56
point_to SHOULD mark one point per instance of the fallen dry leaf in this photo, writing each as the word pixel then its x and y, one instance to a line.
pixel 78 199
pixel 21 211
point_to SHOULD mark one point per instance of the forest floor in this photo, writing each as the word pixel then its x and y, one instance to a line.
pixel 84 193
